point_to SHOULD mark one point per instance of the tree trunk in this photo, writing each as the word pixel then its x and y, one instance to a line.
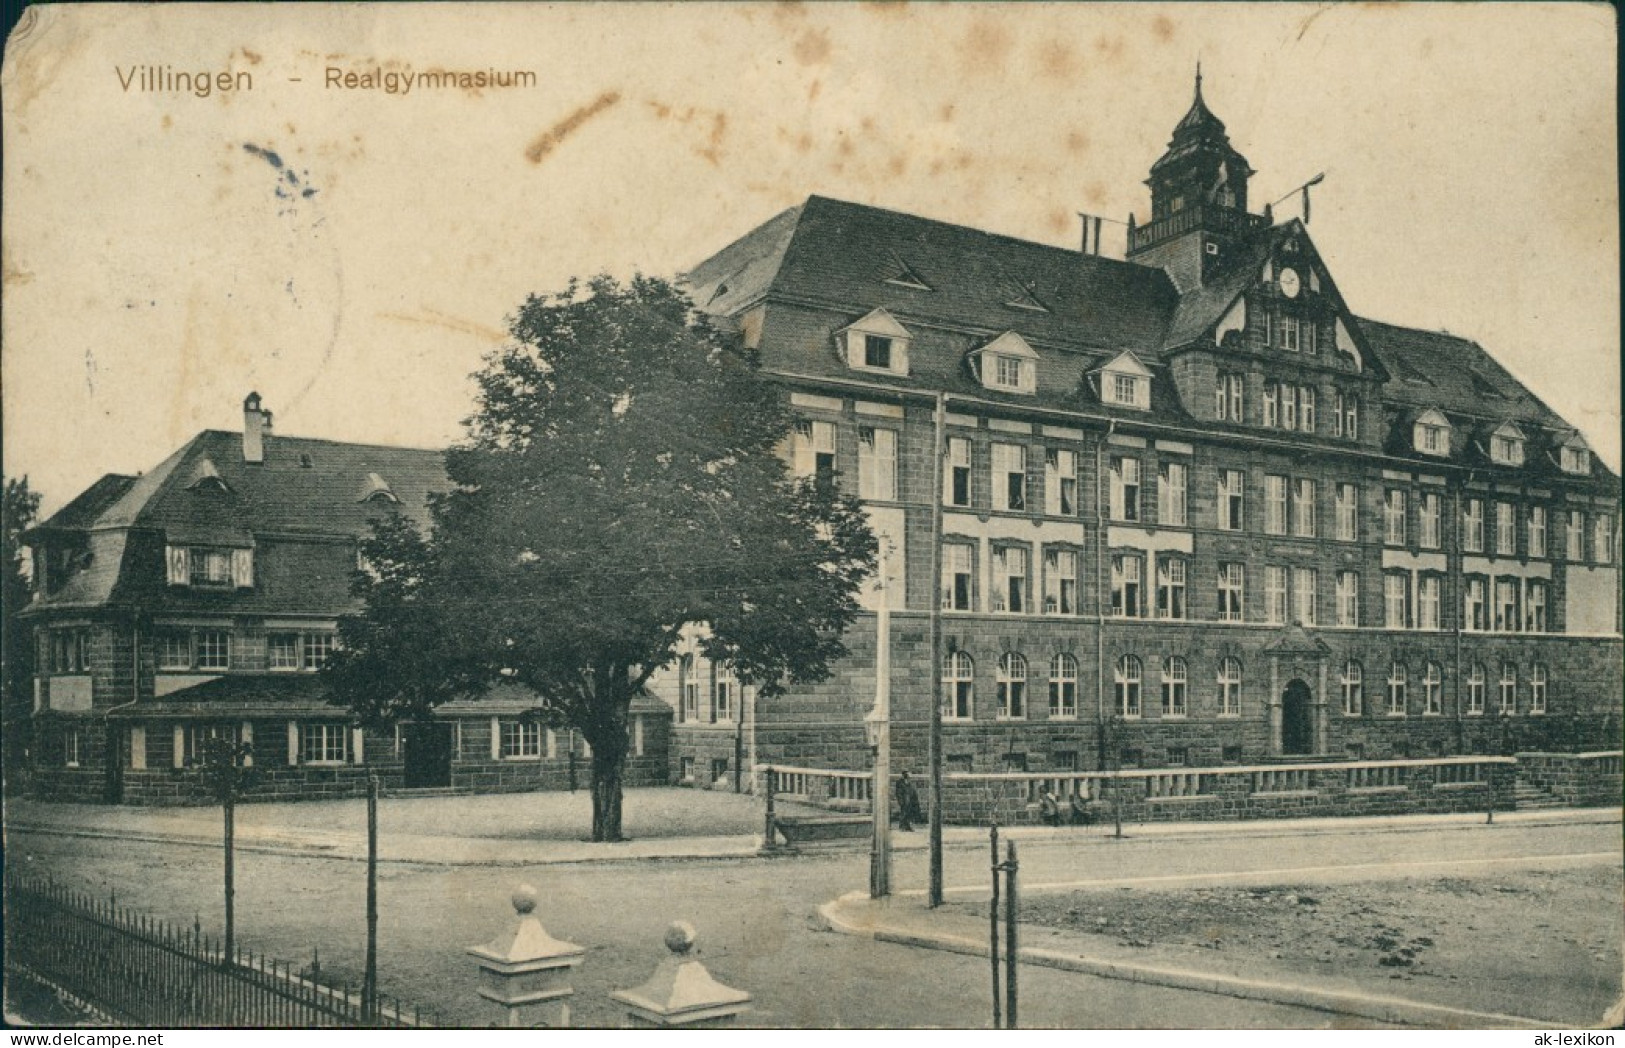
pixel 606 793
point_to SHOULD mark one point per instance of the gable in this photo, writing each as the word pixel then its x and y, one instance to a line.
pixel 878 322
pixel 1125 363
pixel 1433 417
pixel 1009 344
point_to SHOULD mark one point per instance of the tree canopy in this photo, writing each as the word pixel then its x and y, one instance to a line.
pixel 17 648
pixel 621 481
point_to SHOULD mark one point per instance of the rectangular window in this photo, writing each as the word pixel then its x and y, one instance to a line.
pixel 1472 519
pixel 1306 409
pixel 1007 372
pixel 1535 606
pixel 175 651
pixel 1474 609
pixel 1348 513
pixel 1509 687
pixel 1125 489
pixel 1348 598
pixel 1602 538
pixel 1537 531
pixel 213 650
pixel 956 479
pixel 1126 586
pixel 1396 691
pixel 1232 584
pixel 1433 691
pixel 1060 582
pixel 1272 405
pixel 1287 332
pixel 814 450
pixel 1227 399
pixel 1576 536
pixel 1351 417
pixel 1305 584
pixel 323 743
pixel 1309 332
pixel 1274 505
pixel 1393 517
pixel 1060 482
pixel 1170 588
pixel 1537 688
pixel 877 352
pixel 1274 595
pixel 282 651
pixel 1506 530
pixel 722 706
pixel 1428 512
pixel 1231 505
pixel 1127 390
pixel 1010 476
pixel 195 741
pixel 1427 602
pixel 1506 604
pixel 1303 508
pixel 1174 682
pixel 1171 496
pixel 1396 600
pixel 211 567
pixel 521 740
pixel 956 577
pixel 1063 687
pixel 1289 408
pixel 318 646
pixel 1010 579
pixel 877 463
pixel 1475 690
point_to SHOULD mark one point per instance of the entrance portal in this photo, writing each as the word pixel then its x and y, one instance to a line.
pixel 427 752
pixel 1297 719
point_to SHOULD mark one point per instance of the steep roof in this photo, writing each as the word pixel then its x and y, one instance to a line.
pixel 91 503
pixel 847 255
pixel 1440 370
pixel 304 485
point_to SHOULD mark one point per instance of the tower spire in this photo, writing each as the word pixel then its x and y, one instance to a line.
pixel 1198 79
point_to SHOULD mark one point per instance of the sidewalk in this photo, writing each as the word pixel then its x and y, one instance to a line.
pixel 663 824
pixel 906 920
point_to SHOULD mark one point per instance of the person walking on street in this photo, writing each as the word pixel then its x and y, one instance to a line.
pixel 908 804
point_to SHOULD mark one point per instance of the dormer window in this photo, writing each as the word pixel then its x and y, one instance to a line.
pixel 207 478
pixel 1007 364
pixel 1126 382
pixel 877 342
pixel 1432 434
pixel 377 489
pixel 1506 445
pixel 1575 459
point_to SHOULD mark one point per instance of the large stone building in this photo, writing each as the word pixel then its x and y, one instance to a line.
pixel 200 598
pixel 1194 509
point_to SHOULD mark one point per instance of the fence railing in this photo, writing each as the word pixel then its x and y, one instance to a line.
pixel 150 973
pixel 832 786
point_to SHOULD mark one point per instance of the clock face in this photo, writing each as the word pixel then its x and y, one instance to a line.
pixel 1289 282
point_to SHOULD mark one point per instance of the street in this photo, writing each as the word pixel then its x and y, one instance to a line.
pixel 757 921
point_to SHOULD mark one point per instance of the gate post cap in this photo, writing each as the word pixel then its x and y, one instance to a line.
pixel 524 899
pixel 681 937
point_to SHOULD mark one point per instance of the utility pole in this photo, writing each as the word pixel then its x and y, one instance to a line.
pixel 934 746
pixel 880 718
pixel 369 983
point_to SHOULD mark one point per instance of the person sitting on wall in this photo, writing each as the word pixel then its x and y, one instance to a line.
pixel 1049 807
pixel 908 804
pixel 1081 815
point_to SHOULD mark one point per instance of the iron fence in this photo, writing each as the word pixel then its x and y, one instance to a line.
pixel 150 973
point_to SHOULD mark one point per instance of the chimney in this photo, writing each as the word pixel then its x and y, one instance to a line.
pixel 256 427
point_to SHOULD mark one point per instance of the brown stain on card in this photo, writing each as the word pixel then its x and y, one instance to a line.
pixel 812 47
pixel 538 150
pixel 1163 28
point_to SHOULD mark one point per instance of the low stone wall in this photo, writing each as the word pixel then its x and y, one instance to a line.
pixel 1256 792
pixel 1576 779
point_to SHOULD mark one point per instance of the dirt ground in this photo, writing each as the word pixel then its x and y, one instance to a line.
pixel 1540 943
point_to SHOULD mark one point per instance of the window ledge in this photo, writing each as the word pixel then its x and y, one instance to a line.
pixel 1195 798
pixel 520 758
pixel 1378 789
pixel 324 764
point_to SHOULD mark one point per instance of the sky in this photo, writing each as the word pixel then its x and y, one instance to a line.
pixel 352 254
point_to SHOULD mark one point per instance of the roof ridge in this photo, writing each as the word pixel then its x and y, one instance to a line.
pixel 230 433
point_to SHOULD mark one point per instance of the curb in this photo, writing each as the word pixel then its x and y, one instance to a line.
pixel 1341 1002
pixel 330 852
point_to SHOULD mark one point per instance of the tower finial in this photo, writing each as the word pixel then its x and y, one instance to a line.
pixel 1198 79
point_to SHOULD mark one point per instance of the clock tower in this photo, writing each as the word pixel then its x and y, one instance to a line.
pixel 1198 201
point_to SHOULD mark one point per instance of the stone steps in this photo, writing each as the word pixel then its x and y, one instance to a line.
pixel 1527 797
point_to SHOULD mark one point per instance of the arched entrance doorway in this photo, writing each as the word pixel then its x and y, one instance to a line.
pixel 1297 719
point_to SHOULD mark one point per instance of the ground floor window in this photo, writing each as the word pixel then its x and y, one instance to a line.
pixel 195 740
pixel 1229 685
pixel 1396 690
pixel 1537 688
pixel 1063 686
pixel 1509 687
pixel 1353 700
pixel 1475 688
pixel 1128 677
pixel 521 740
pixel 958 684
pixel 323 743
pixel 74 751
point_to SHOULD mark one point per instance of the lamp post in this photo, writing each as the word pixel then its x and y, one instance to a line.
pixel 877 729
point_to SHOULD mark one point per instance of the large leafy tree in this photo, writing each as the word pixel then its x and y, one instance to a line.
pixel 620 482
pixel 17 647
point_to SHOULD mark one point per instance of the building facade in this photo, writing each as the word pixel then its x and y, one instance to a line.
pixel 1186 508
pixel 199 600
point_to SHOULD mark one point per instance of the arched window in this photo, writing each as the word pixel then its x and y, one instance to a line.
pixel 1475 688
pixel 1537 688
pixel 1063 686
pixel 1128 675
pixel 1012 681
pixel 1509 687
pixel 958 685
pixel 688 689
pixel 1229 681
pixel 1174 679
pixel 1353 683
pixel 1396 690
pixel 1432 689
